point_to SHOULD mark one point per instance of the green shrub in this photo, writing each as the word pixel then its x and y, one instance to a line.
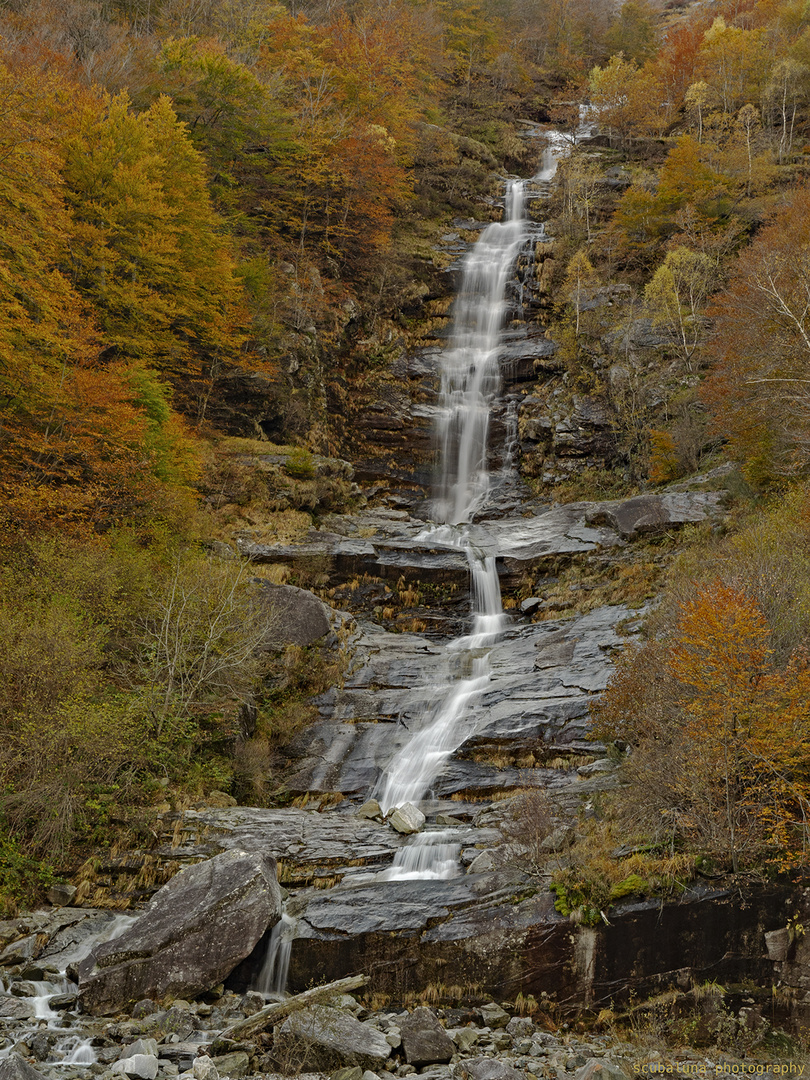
pixel 300 464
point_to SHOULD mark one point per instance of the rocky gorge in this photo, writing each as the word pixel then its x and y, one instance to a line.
pixel 399 863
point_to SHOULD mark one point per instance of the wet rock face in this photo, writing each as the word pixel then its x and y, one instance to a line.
pixel 543 676
pixel 193 933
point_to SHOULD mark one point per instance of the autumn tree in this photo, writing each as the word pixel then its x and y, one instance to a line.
pixel 634 34
pixel 733 61
pixel 787 89
pixel 579 180
pixel 699 100
pixel 676 295
pixel 149 254
pixel 628 99
pixel 719 734
pixel 580 278
pixel 758 388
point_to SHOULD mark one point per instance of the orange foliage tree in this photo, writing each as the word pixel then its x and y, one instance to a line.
pixel 759 387
pixel 88 438
pixel 720 734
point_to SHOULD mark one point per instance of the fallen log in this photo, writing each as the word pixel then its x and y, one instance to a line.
pixel 280 1010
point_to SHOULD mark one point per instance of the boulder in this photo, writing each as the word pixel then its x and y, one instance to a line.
pixel 204 1068
pixel 493 1015
pixel 599 1069
pixel 324 1038
pixel 14 1008
pixel 465 1038
pixel 424 1040
pixel 651 514
pixel 520 1027
pixel 25 948
pixel 137 1067
pixel 61 894
pixel 141 1046
pixel 235 1064
pixel 194 932
pixel 407 819
pixel 484 1068
pixel 777 942
pixel 17 1068
pixel 295 616
pixel 370 810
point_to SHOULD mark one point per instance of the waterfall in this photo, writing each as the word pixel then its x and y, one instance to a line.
pixel 272 979
pixel 430 855
pixel 470 383
pixel 470 375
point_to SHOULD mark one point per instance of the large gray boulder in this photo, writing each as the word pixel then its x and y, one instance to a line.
pixel 17 1068
pixel 326 1039
pixel 295 616
pixel 194 932
pixel 650 514
pixel 424 1040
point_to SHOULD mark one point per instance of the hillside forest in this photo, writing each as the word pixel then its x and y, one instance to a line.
pixel 206 202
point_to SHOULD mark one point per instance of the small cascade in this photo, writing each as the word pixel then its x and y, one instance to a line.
pixel 509 465
pixel 70 1048
pixel 272 978
pixel 77 1051
pixel 431 856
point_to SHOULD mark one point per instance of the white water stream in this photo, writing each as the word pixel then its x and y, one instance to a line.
pixel 68 1047
pixel 470 383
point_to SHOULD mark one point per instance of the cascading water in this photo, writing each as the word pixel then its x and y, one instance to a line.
pixel 272 979
pixel 470 382
pixel 68 1048
pixel 470 374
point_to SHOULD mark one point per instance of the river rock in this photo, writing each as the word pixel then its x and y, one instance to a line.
pixel 194 932
pixel 25 948
pixel 324 1038
pixel 424 1040
pixel 407 819
pixel 371 810
pixel 17 1068
pixel 138 1067
pixel 235 1064
pixel 493 1015
pixel 599 1069
pixel 142 1046
pixel 204 1069
pixel 484 1068
pixel 14 1008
